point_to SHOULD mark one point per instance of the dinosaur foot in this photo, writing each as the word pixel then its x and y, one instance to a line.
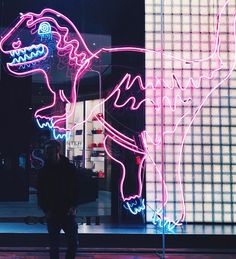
pixel 44 123
pixel 135 205
pixel 159 221
pixel 59 134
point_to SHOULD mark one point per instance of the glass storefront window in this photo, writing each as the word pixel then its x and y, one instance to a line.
pixel 28 97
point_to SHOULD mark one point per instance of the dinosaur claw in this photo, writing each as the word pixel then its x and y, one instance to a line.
pixel 135 205
pixel 61 135
pixel 44 123
pixel 157 219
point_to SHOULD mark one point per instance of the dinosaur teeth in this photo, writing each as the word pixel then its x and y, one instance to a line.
pixel 17 52
pixel 27 54
pixel 12 53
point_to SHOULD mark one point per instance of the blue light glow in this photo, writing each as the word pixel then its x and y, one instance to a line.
pixel 44 124
pixel 134 206
pixel 159 222
pixel 45 30
pixel 57 135
pixel 27 54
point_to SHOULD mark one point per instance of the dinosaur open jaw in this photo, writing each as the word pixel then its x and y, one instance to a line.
pixel 27 55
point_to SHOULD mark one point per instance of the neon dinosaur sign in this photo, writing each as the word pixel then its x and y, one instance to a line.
pixel 54 45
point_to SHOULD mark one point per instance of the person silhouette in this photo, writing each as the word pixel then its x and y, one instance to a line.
pixel 57 197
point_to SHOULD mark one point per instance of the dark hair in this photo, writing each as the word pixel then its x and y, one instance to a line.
pixel 53 143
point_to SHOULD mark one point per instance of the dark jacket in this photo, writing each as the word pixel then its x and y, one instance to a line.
pixel 57 187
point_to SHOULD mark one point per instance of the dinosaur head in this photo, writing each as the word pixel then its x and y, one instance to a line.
pixel 43 42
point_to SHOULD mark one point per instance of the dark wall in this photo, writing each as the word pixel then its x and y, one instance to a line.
pixel 15 113
pixel 123 19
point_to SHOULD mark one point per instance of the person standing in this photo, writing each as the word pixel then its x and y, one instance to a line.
pixel 57 197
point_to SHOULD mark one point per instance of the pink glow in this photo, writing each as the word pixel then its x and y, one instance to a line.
pixel 16 44
pixel 80 59
pixel 123 172
pixel 63 97
pixel 199 109
pixel 198 85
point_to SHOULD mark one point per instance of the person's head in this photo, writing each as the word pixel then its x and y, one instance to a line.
pixel 52 150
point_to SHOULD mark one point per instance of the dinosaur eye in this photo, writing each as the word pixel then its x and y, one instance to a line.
pixel 44 29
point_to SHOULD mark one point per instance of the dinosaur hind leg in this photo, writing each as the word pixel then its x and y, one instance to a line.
pixel 130 166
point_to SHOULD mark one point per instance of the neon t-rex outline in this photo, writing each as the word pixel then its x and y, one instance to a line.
pixel 53 46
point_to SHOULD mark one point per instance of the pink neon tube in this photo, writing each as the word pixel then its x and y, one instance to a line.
pixel 78 59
